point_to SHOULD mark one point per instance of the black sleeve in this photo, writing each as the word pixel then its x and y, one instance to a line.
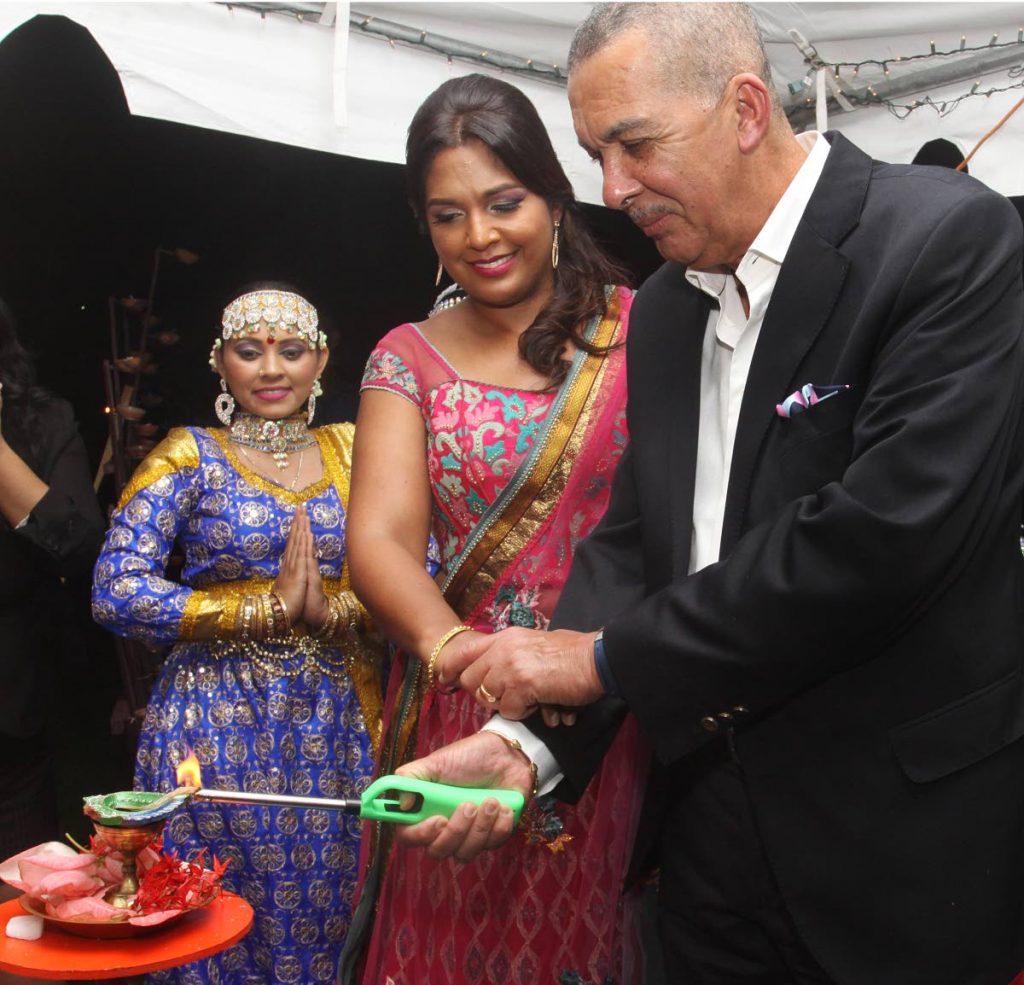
pixel 66 525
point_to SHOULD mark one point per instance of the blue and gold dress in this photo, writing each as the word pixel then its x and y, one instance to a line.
pixel 293 716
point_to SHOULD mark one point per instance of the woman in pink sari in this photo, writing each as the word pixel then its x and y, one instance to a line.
pixel 496 423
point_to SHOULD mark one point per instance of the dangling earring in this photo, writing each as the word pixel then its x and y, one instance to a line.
pixel 317 391
pixel 440 273
pixel 224 405
pixel 554 248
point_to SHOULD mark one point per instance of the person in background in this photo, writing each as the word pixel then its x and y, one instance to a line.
pixel 808 586
pixel 270 682
pixel 497 423
pixel 51 528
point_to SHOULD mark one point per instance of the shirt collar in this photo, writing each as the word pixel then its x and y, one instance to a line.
pixel 772 242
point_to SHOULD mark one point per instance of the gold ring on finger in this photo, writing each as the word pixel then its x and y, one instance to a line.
pixel 486 695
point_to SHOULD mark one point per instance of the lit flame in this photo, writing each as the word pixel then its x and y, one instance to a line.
pixel 188 773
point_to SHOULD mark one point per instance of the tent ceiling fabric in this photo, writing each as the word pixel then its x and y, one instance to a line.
pixel 316 84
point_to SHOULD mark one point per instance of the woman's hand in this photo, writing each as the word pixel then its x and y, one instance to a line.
pixel 452 652
pixel 290 582
pixel 315 609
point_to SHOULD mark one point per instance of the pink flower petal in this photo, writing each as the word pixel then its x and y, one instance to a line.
pixel 68 884
pixel 90 907
pixel 9 869
pixel 152 919
pixel 26 868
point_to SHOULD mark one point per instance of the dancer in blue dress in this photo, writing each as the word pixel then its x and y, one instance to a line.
pixel 271 681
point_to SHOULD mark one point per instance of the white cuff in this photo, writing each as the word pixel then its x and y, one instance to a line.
pixel 549 775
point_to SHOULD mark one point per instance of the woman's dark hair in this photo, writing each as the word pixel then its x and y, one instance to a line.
pixel 250 287
pixel 22 397
pixel 478 107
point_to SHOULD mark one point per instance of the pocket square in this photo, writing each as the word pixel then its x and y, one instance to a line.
pixel 807 396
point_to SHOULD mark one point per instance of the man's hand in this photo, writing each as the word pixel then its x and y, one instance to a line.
pixel 480 760
pixel 517 670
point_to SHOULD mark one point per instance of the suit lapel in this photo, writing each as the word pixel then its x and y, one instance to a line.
pixel 802 302
pixel 691 318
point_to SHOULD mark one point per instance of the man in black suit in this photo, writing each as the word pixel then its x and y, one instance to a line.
pixel 808 587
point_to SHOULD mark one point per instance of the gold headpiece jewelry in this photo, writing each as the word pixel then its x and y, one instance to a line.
pixel 281 311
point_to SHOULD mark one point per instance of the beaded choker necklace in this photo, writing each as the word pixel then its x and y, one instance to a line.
pixel 277 438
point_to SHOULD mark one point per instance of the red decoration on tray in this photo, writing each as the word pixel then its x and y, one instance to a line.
pixel 170 884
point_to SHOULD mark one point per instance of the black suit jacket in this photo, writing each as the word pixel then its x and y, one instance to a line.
pixel 60 541
pixel 862 630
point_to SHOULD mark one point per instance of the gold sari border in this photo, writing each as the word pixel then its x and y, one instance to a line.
pixel 539 510
pixel 336 450
pixel 336 443
pixel 365 656
pixel 527 487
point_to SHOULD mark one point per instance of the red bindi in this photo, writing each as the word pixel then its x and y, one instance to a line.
pixel 270 341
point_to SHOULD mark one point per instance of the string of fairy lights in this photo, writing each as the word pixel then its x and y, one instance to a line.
pixel 884 63
pixel 943 107
pixel 849 71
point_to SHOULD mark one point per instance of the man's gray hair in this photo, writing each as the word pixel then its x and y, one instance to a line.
pixel 698 46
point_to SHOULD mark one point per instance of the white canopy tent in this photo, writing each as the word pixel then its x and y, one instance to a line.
pixel 313 76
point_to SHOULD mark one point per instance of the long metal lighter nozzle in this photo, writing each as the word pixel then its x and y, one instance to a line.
pixel 349 806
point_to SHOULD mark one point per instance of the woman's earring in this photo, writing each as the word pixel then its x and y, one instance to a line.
pixel 554 248
pixel 224 405
pixel 317 391
pixel 440 273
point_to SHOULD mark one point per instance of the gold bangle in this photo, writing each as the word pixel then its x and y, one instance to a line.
pixel 261 618
pixel 240 620
pixel 517 745
pixel 269 619
pixel 353 616
pixel 439 645
pixel 364 620
pixel 279 599
pixel 247 613
pixel 330 624
pixel 344 605
pixel 337 627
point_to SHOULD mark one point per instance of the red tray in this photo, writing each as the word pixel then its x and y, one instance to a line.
pixel 58 955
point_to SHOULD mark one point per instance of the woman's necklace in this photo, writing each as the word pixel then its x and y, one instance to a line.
pixel 295 479
pixel 279 439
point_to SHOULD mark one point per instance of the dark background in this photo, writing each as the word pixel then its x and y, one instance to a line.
pixel 90 192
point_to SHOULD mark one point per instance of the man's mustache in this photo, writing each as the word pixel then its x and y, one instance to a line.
pixel 643 216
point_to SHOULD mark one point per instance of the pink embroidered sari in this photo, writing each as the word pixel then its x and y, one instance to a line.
pixel 519 477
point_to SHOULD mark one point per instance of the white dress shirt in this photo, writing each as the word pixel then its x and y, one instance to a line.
pixel 730 338
pixel 729 342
